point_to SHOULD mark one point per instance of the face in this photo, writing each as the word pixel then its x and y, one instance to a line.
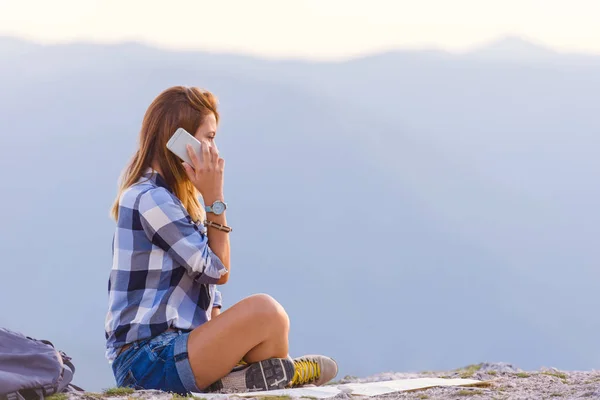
pixel 208 130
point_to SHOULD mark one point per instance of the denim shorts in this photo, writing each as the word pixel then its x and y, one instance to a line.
pixel 159 363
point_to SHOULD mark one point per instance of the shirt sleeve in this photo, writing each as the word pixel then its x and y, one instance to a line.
pixel 218 301
pixel 169 226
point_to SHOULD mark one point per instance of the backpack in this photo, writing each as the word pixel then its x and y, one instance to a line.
pixel 32 369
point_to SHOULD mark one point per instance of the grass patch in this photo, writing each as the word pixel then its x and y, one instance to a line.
pixel 593 380
pixel 465 392
pixel 58 396
pixel 469 370
pixel 187 396
pixel 423 397
pixel 523 375
pixel 555 374
pixel 494 373
pixel 556 395
pixel 482 385
pixel 120 391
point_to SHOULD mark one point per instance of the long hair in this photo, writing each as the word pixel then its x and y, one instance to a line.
pixel 176 107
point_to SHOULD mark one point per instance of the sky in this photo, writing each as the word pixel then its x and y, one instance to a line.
pixel 313 29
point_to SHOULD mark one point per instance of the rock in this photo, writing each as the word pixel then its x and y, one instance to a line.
pixel 551 369
pixel 500 368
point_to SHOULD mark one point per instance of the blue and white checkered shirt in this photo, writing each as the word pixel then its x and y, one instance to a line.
pixel 163 274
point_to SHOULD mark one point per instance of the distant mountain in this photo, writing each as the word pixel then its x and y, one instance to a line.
pixel 514 48
pixel 517 50
pixel 411 210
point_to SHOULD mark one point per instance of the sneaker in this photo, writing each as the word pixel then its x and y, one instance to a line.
pixel 313 370
pixel 271 374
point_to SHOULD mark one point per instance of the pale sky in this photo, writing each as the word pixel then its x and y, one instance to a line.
pixel 317 29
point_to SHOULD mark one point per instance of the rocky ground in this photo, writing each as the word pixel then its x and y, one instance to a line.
pixel 501 381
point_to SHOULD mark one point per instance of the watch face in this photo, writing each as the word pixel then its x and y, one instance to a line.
pixel 218 207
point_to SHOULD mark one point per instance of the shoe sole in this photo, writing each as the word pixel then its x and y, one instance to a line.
pixel 271 374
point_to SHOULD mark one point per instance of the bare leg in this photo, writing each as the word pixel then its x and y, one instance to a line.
pixel 254 329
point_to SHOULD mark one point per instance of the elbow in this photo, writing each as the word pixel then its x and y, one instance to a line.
pixel 223 280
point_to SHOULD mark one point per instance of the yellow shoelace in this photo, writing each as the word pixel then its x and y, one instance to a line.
pixel 305 372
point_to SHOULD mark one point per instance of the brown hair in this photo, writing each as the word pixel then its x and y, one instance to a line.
pixel 176 107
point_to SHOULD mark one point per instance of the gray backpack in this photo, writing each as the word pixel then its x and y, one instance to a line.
pixel 32 369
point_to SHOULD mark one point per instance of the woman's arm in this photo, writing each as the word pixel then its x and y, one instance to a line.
pixel 169 226
pixel 219 241
pixel 206 174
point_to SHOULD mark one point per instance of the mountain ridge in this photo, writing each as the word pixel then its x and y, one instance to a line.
pixel 502 48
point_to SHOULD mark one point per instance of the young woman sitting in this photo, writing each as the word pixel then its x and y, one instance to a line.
pixel 164 328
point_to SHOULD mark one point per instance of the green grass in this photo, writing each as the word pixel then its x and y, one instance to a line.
pixel 555 374
pixel 58 396
pixel 523 375
pixel 494 373
pixel 118 392
pixel 469 370
pixel 423 397
pixel 556 395
pixel 468 392
pixel 187 396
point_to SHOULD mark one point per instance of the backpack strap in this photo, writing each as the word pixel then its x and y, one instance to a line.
pixel 67 361
pixel 14 396
pixel 42 394
pixel 74 388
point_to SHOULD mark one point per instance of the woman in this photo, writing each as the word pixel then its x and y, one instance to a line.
pixel 164 329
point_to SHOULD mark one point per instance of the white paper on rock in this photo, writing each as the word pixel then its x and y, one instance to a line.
pixel 358 389
pixel 402 385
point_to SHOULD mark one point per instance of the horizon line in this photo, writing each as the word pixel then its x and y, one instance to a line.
pixel 272 57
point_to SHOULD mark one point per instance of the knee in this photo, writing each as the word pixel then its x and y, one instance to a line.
pixel 269 311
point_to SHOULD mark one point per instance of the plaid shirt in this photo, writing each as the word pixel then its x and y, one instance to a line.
pixel 163 272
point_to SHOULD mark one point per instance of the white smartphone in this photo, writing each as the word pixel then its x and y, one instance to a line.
pixel 178 145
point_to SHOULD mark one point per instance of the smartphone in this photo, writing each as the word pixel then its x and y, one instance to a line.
pixel 178 145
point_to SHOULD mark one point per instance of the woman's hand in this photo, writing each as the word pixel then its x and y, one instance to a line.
pixel 206 173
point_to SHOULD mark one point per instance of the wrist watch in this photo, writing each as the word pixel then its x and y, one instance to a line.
pixel 217 208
